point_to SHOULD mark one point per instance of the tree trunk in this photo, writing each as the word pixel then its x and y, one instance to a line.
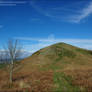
pixel 11 73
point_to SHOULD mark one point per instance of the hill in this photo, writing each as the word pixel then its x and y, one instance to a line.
pixel 58 68
pixel 61 54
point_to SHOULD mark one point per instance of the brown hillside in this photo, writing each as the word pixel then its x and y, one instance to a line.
pixel 38 72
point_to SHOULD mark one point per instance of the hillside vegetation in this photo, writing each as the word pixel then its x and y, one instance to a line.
pixel 58 68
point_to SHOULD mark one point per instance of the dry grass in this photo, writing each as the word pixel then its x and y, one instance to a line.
pixel 81 77
pixel 33 81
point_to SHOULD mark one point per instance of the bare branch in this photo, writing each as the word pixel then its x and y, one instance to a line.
pixel 13 50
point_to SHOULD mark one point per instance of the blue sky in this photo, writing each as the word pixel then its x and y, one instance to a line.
pixel 39 23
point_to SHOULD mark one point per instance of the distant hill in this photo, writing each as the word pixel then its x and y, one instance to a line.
pixel 4 58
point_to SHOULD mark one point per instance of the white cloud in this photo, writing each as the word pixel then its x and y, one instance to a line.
pixel 55 40
pixel 35 47
pixel 67 14
pixel 11 3
pixel 7 4
pixel 16 2
pixel 85 12
pixel 39 9
pixel 43 42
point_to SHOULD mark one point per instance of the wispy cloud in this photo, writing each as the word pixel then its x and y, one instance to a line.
pixel 11 3
pixel 67 14
pixel 43 42
pixel 55 40
pixel 85 12
pixel 39 9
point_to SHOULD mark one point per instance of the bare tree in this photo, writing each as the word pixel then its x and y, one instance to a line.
pixel 1 56
pixel 13 49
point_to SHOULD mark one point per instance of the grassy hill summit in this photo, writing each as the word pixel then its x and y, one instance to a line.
pixel 57 68
pixel 61 54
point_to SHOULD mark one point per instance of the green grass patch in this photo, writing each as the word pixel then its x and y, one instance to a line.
pixel 50 67
pixel 86 52
pixel 2 66
pixel 64 83
pixel 63 52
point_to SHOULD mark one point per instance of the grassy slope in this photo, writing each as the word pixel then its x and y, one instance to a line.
pixel 47 69
pixel 60 58
pixel 62 55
